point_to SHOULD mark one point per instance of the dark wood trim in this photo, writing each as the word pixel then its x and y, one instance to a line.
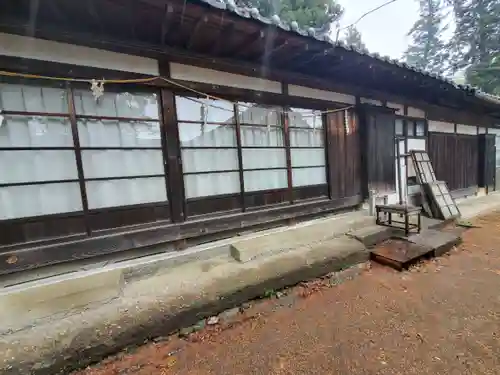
pixel 41 114
pixel 135 177
pixel 113 118
pixel 286 141
pixel 45 182
pixel 211 172
pixel 173 159
pixel 37 148
pixel 191 230
pixel 78 156
pixel 110 219
pixel 240 156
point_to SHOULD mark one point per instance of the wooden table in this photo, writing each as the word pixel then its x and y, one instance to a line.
pixel 402 210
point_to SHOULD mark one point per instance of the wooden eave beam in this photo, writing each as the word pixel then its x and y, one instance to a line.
pixel 166 23
pixel 284 63
pixel 56 11
pixel 95 15
pixel 267 56
pixel 224 30
pixel 202 21
pixel 308 60
pixel 132 11
pixel 249 42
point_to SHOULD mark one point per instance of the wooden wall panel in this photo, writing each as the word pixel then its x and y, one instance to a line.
pixel 343 155
pixel 378 148
pixel 455 159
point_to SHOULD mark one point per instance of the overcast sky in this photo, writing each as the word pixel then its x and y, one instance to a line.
pixel 383 31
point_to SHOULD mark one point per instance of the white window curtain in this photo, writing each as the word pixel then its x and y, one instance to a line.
pixel 208 147
pixel 263 147
pixel 307 149
pixel 121 153
pixel 34 180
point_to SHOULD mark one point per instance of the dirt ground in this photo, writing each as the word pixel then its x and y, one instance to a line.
pixel 440 317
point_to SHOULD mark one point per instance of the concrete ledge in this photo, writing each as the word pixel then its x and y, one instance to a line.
pixel 29 303
pixel 372 235
pixel 299 235
pixel 159 305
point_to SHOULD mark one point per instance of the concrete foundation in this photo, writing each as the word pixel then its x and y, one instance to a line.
pixel 67 321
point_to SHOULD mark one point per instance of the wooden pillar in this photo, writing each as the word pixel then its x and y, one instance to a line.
pixel 486 161
pixel 236 111
pixel 288 153
pixel 78 156
pixel 172 152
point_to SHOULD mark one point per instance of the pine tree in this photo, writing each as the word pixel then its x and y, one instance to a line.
pixel 485 75
pixel 353 38
pixel 427 50
pixel 476 41
pixel 307 13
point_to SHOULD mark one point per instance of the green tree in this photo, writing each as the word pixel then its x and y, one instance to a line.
pixel 352 37
pixel 476 41
pixel 485 75
pixel 428 50
pixel 307 13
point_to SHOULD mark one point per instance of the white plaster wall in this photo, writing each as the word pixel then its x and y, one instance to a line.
pixel 46 50
pixel 371 101
pixel 196 74
pixel 466 129
pixel 399 107
pixel 415 112
pixel 493 131
pixel 441 126
pixel 307 92
pixel 481 131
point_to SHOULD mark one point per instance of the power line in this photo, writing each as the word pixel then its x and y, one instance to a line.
pixel 364 15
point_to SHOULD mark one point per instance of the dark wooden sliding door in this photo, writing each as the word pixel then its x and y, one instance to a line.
pixel 378 151
pixel 344 157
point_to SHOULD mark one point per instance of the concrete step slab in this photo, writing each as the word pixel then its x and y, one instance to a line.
pixel 440 241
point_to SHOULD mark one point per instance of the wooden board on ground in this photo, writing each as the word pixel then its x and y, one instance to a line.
pixel 399 254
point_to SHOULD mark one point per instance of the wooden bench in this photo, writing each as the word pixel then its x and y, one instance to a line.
pixel 401 210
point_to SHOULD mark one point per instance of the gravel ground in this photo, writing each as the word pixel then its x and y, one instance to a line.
pixel 440 317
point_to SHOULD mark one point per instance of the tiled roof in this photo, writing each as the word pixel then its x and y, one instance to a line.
pixel 322 36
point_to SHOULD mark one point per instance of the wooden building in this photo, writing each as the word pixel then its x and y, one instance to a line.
pixel 213 120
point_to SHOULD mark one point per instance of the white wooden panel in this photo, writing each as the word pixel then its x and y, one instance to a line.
pixel 481 131
pixel 441 126
pixel 196 74
pixel 46 50
pixel 415 112
pixel 493 131
pixel 466 129
pixel 332 96
pixel 371 101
